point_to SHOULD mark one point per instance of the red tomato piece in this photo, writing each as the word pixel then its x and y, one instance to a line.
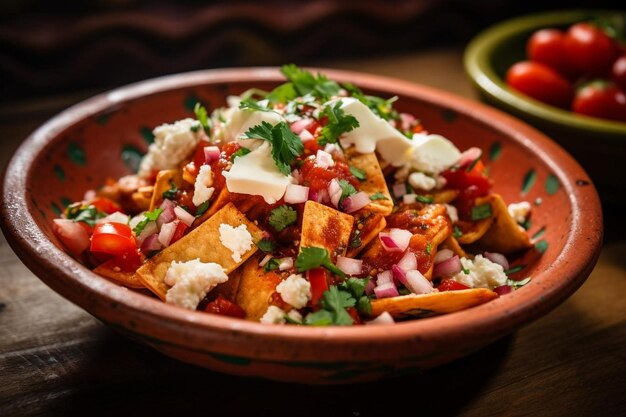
pixel 601 99
pixel 319 283
pixel 547 46
pixel 113 238
pixel 105 205
pixel 451 285
pixel 619 72
pixel 540 82
pixel 181 228
pixel 589 50
pixel 73 235
pixel 226 308
pixel 355 315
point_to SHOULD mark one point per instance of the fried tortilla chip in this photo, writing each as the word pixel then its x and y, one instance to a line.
pixel 164 181
pixel 367 225
pixel 256 288
pixel 505 235
pixel 472 231
pixel 228 289
pixel 423 305
pixel 453 244
pixel 142 197
pixel 374 182
pixel 203 243
pixel 325 227
pixel 109 270
pixel 444 196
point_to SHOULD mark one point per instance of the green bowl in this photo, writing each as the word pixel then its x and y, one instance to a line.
pixel 599 145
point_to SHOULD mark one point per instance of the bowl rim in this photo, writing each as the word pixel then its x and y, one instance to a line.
pixel 81 286
pixel 476 60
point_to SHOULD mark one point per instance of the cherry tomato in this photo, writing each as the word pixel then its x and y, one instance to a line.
pixel 589 50
pixel 451 285
pixel 105 205
pixel 601 99
pixel 319 283
pixel 619 72
pixel 226 308
pixel 547 46
pixel 113 238
pixel 540 82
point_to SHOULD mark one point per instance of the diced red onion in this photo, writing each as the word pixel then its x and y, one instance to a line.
pixel 323 196
pixel 395 240
pixel 384 277
pixel 443 255
pixel 383 318
pixel 168 214
pixel 417 283
pixel 448 268
pixel 399 275
pixel 497 258
pixel 355 202
pixel 265 260
pixel 150 229
pixel 334 191
pixel 369 288
pixel 117 217
pixel 386 290
pixel 211 154
pixel 408 261
pixel 72 235
pixel 503 289
pixel 285 263
pixel 323 159
pixel 350 266
pixel 399 189
pixel 184 215
pixel 469 156
pixel 295 194
pixel 167 232
pixel 314 195
pixel 300 125
pixel 306 136
pixel 151 243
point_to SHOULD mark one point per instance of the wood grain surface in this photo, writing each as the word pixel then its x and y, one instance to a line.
pixel 55 359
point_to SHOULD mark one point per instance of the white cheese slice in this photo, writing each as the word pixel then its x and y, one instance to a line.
pixel 433 153
pixel 241 120
pixel 257 174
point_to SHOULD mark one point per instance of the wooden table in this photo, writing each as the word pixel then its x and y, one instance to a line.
pixel 57 359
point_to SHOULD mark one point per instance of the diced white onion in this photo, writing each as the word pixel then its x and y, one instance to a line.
pixel 383 318
pixel 384 277
pixel 443 255
pixel 296 194
pixel 386 290
pixel 334 191
pixel 395 240
pixel 184 215
pixel 265 260
pixel 350 266
pixel 324 159
pixel 417 283
pixel 306 136
pixel 408 261
pixel 285 263
pixel 355 202
pixel 167 232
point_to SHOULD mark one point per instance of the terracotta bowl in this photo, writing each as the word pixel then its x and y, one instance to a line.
pixel 105 136
pixel 598 144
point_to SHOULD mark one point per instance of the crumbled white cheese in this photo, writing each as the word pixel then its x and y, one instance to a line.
pixel 172 144
pixel 191 281
pixel 520 211
pixel 422 181
pixel 256 173
pixel 237 239
pixel 482 273
pixel 433 153
pixel 295 290
pixel 202 187
pixel 295 315
pixel 453 213
pixel 273 315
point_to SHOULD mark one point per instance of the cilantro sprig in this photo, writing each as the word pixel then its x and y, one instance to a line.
pixel 378 196
pixel 202 116
pixel 313 257
pixel 286 145
pixel 347 190
pixel 87 214
pixel 338 124
pixel 251 104
pixel 383 108
pixel 282 216
pixel 239 152
pixel 481 212
pixel 304 82
pixel 148 217
pixel 334 303
pixel 358 173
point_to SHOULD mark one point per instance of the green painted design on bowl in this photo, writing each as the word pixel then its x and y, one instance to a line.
pixel 56 209
pixel 190 102
pixel 103 119
pixel 494 151
pixel 449 115
pixel 232 360
pixel 58 171
pixel 529 181
pixel 552 184
pixel 131 156
pixel 76 154
pixel 539 233
pixel 66 201
pixel 147 134
pixel 541 246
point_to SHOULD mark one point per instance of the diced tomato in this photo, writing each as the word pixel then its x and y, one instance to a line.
pixel 113 238
pixel 72 234
pixel 105 205
pixel 319 283
pixel 312 128
pixel 226 308
pixel 129 261
pixel 318 178
pixel 451 285
pixel 354 314
pixel 181 228
pixel 460 179
pixel 311 147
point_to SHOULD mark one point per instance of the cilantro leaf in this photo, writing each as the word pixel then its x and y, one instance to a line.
pixel 480 212
pixel 202 116
pixel 304 82
pixel 250 104
pixel 202 208
pixel 383 108
pixel 364 305
pixel 336 301
pixel 346 190
pixel 148 217
pixel 429 248
pixel 239 152
pixel 271 265
pixel 517 284
pixel 457 232
pixel 358 173
pixel 171 193
pixel 424 199
pixel 355 239
pixel 286 145
pixel 266 245
pixel 378 196
pixel 319 318
pixel 313 257
pixel 338 124
pixel 283 93
pixel 355 286
pixel 85 214
pixel 282 216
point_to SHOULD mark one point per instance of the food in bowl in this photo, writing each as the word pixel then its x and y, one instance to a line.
pixel 582 69
pixel 310 204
